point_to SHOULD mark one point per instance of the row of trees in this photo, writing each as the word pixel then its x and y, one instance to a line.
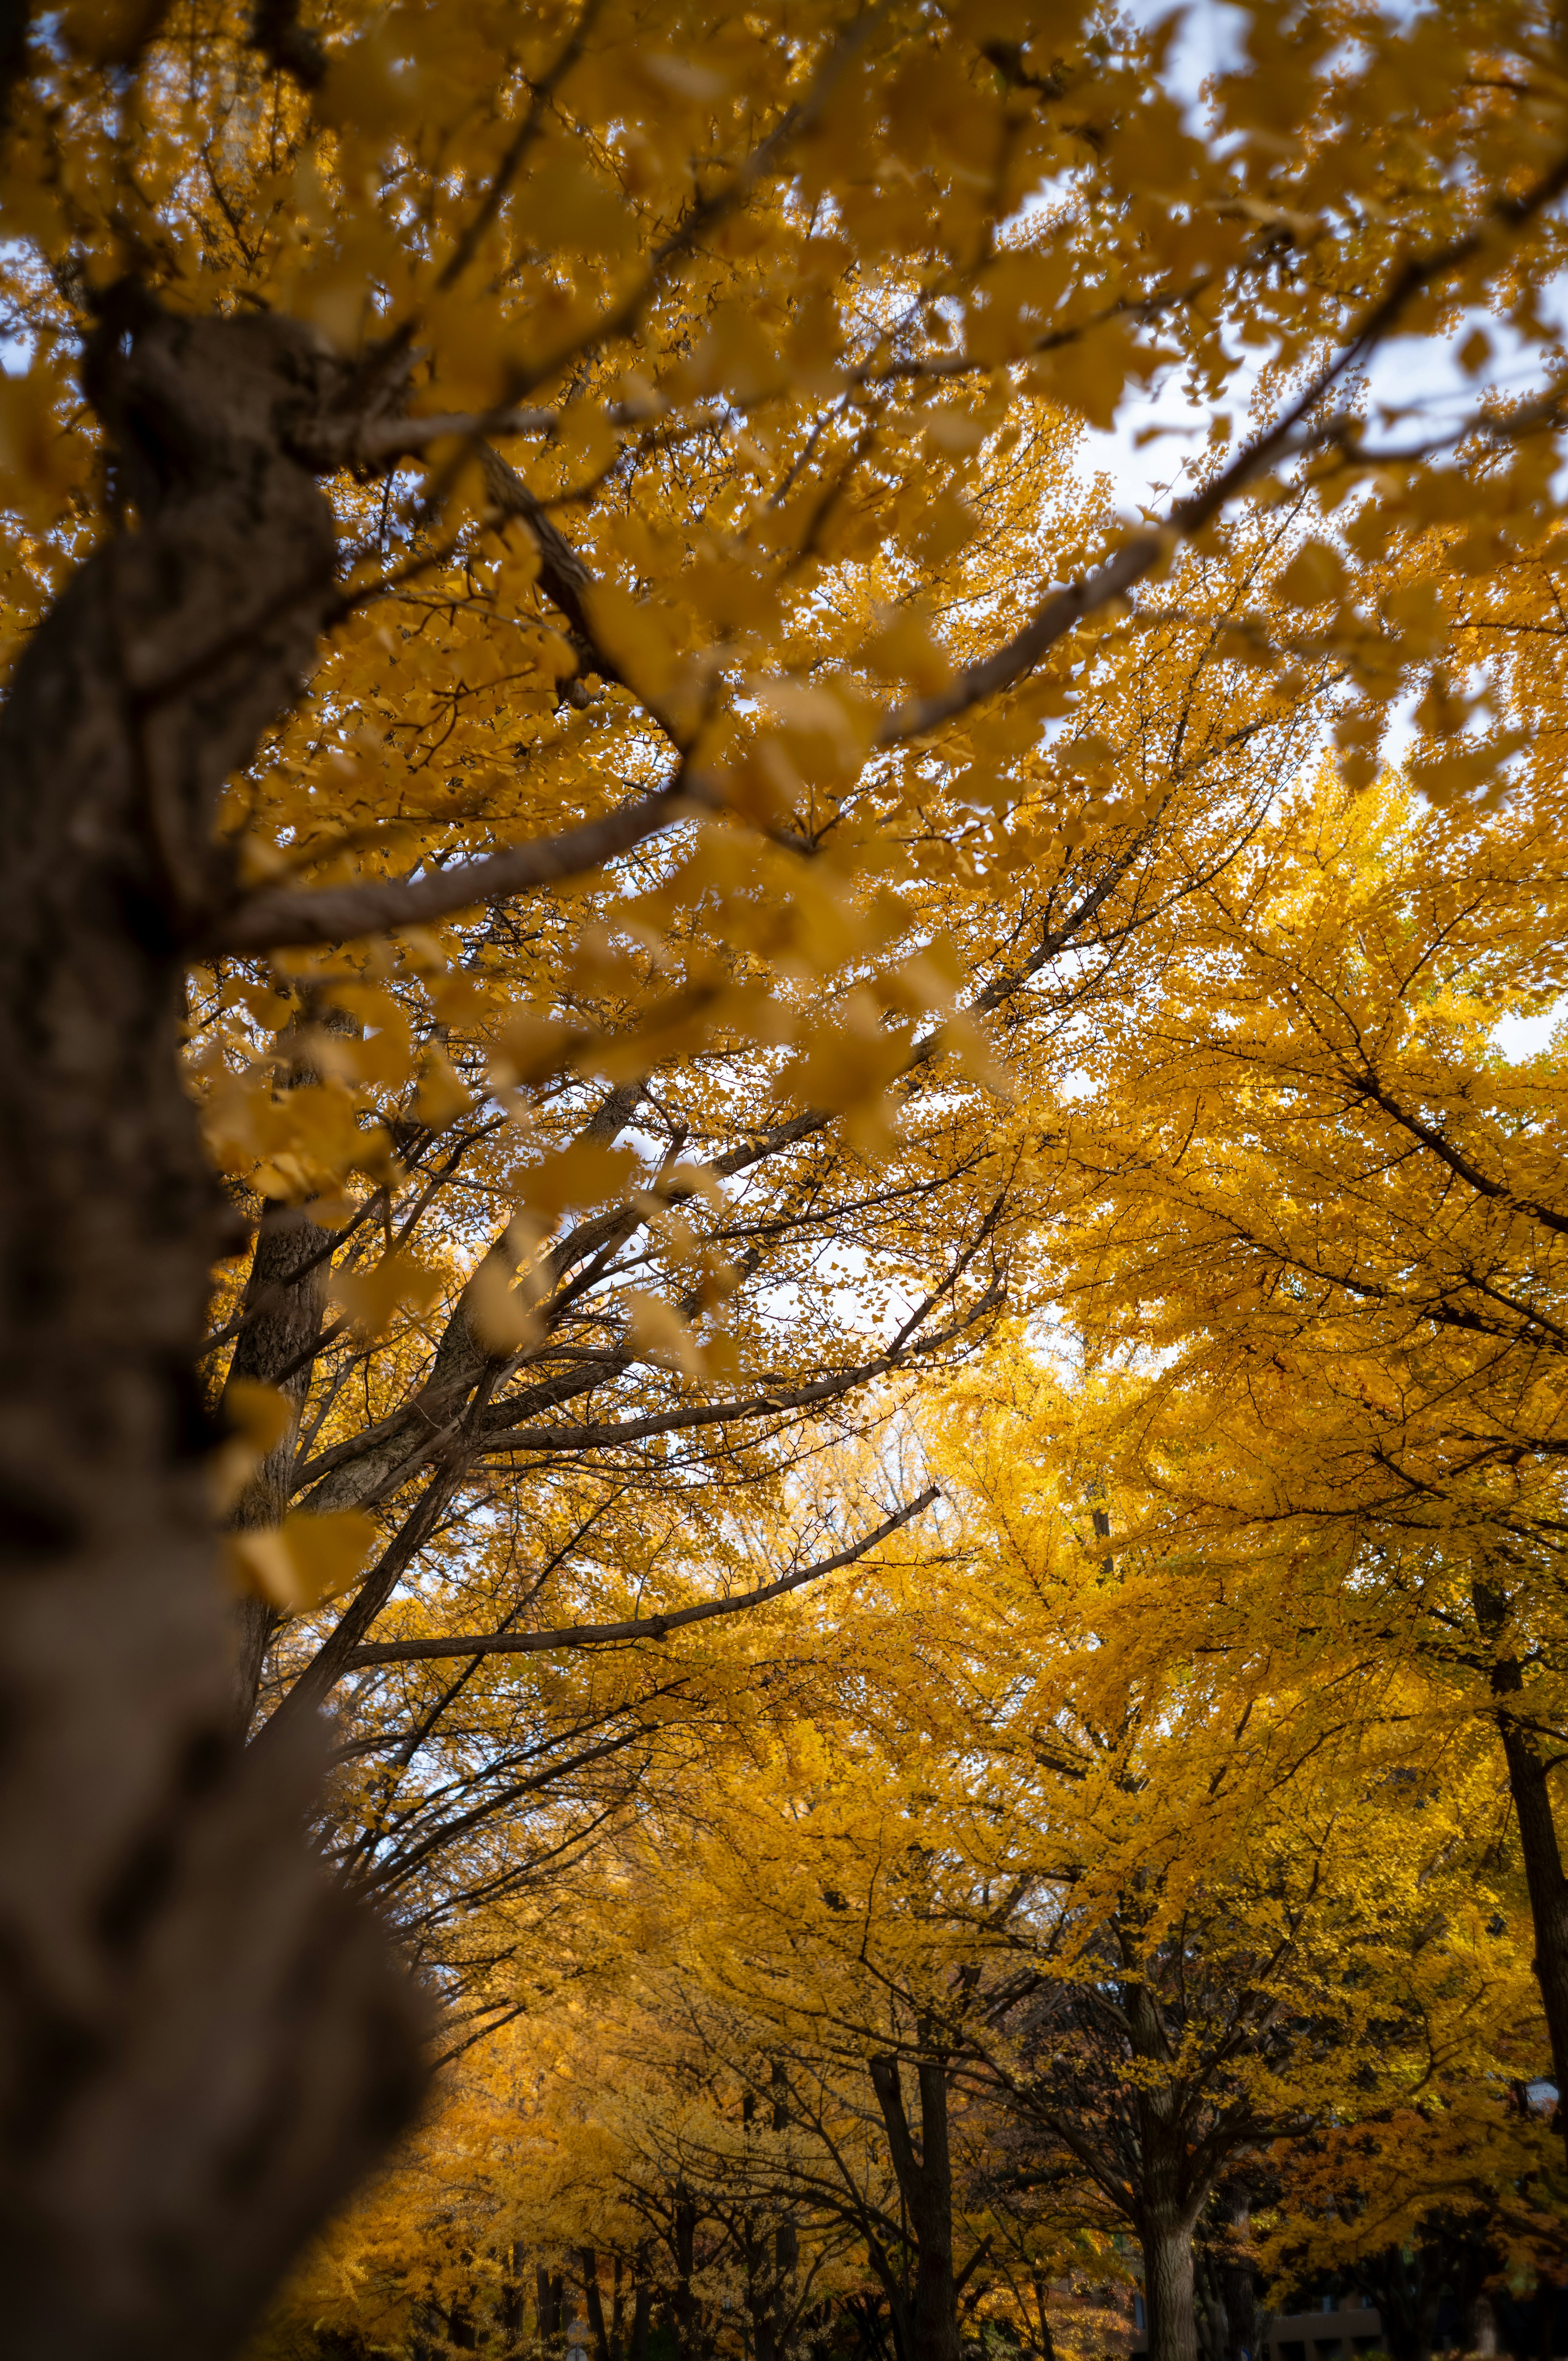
pixel 584 735
pixel 991 1971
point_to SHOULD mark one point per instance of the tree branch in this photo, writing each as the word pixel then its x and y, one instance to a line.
pixel 637 1627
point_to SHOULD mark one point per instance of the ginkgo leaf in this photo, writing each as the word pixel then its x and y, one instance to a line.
pixel 441 1098
pixel 1314 577
pixel 658 1334
pixel 307 1559
pixel 373 1298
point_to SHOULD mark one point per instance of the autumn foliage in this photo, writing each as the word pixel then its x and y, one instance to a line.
pixel 782 1343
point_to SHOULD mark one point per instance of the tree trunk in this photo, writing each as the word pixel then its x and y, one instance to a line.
pixel 1544 1880
pixel 201 2045
pixel 549 2290
pixel 594 2302
pixel 1239 2280
pixel 641 2312
pixel 510 2311
pixel 685 2306
pixel 617 2309
pixel 1547 1887
pixel 926 2181
pixel 1168 2288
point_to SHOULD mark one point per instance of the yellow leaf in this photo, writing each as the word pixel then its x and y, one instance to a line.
pixel 532 1047
pixel 305 1560
pixel 36 461
pixel 659 1335
pixel 1314 577
pixel 371 1297
pixel 587 1173
pixel 962 1036
pixel 258 1417
pixel 498 1312
pixel 441 1097
pixel 904 650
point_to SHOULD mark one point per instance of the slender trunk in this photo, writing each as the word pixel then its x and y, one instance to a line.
pixel 201 2045
pixel 1478 2325
pixel 1168 2288
pixel 548 2292
pixel 925 2184
pixel 1547 1887
pixel 591 2297
pixel 510 2311
pixel 1238 2280
pixel 1211 2319
pixel 641 2312
pixel 1544 1880
pixel 1047 2342
pixel 762 2298
pixel 684 2307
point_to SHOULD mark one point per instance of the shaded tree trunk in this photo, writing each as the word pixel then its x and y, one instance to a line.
pixel 549 2307
pixel 925 2182
pixel 641 2316
pixel 684 2307
pixel 1167 2238
pixel 594 2302
pixel 510 2311
pixel 1238 2281
pixel 201 2044
pixel 1544 1880
pixel 1167 2289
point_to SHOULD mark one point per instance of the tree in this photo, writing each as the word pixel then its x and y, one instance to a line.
pixel 992 1950
pixel 283 288
pixel 1324 1185
pixel 1247 1927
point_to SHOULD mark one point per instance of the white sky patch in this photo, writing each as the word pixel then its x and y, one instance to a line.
pixel 1524 1037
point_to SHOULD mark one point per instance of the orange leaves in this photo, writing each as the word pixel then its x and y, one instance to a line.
pixel 659 1335
pixel 441 1097
pixel 257 1417
pixel 643 640
pixel 903 650
pixel 565 204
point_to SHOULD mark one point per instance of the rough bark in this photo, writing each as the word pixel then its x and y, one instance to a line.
pixel 1167 2201
pixel 201 2045
pixel 1168 2286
